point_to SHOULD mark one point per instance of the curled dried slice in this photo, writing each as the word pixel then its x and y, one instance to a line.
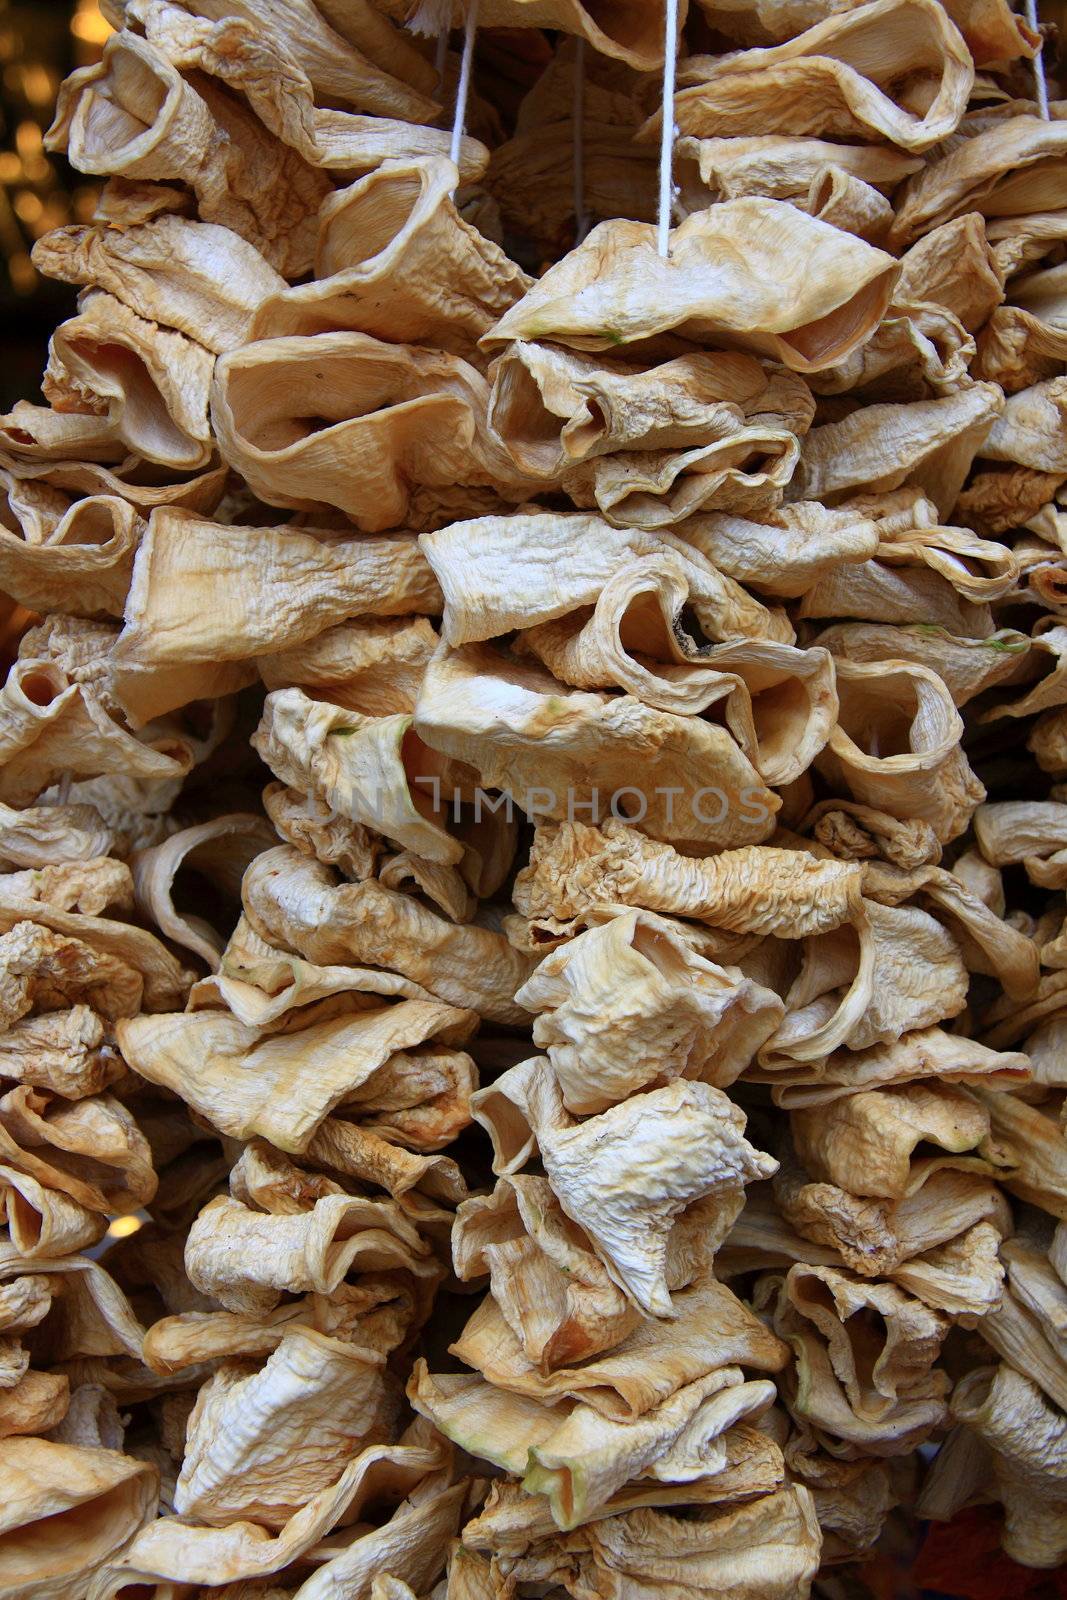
pixel 566 561
pixel 297 904
pixel 758 271
pixel 1026 1437
pixel 68 1511
pixel 363 768
pixel 218 851
pixel 865 1359
pixel 896 746
pixel 247 1080
pixel 200 278
pixel 247 1259
pixel 396 259
pixel 865 1142
pixel 134 114
pixel 260 1444
pixel 841 77
pixel 555 753
pixel 341 419
pixel 207 598
pixel 629 1003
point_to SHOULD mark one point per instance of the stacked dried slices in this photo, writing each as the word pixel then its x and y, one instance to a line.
pixel 533 808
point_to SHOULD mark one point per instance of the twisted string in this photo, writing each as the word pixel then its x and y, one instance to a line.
pixel 666 143
pixel 470 28
pixel 1040 82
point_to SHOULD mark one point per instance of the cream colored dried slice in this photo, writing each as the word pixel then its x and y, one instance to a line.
pixel 565 561
pixel 786 550
pixel 927 1052
pixel 368 769
pixel 551 1288
pixel 554 409
pixel 129 479
pixel 873 1384
pixel 81 1505
pixel 247 1259
pixel 631 32
pixel 200 278
pixel 713 1329
pixel 260 1445
pixel 781 166
pixel 218 851
pixel 509 722
pixel 1006 170
pixel 760 889
pixel 175 1551
pixel 931 443
pixel 53 726
pixel 1030 1140
pixel 345 420
pixel 151 383
pixel 778 702
pixel 955 266
pixel 121 946
pixel 1029 431
pixel 82 564
pixel 966 666
pixel 242 177
pixel 574 1455
pixel 865 1141
pixel 686 1142
pixel 839 77
pixel 771 1546
pixel 296 903
pixel 627 1004
pixel 613 288
pixel 259 983
pixel 372 664
pixel 745 469
pixel 1024 1433
pixel 247 1081
pixel 206 599
pixel 906 712
pixel 347 65
pixel 395 259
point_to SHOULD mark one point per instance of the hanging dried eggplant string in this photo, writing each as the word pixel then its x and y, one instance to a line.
pixel 512 571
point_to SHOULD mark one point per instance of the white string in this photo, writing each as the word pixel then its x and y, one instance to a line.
pixel 666 143
pixel 1039 66
pixel 581 221
pixel 470 28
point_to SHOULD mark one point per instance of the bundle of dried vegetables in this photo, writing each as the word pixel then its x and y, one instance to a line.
pixel 533 809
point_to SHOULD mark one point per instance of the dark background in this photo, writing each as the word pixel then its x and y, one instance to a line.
pixel 40 42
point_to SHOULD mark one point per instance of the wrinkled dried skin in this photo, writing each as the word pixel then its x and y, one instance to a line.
pixel 281 1085
pixel 133 114
pixel 614 289
pixel 207 599
pixel 371 664
pixel 80 563
pixel 565 562
pixel 780 167
pixel 395 259
pixel 871 1381
pixel 197 277
pixel 1006 170
pixel 150 383
pixel 297 904
pixel 553 752
pixel 342 419
pixel 260 1444
pixel 1025 1434
pixel 837 78
pixel 627 1004
pixel 92 1501
pixel 896 746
